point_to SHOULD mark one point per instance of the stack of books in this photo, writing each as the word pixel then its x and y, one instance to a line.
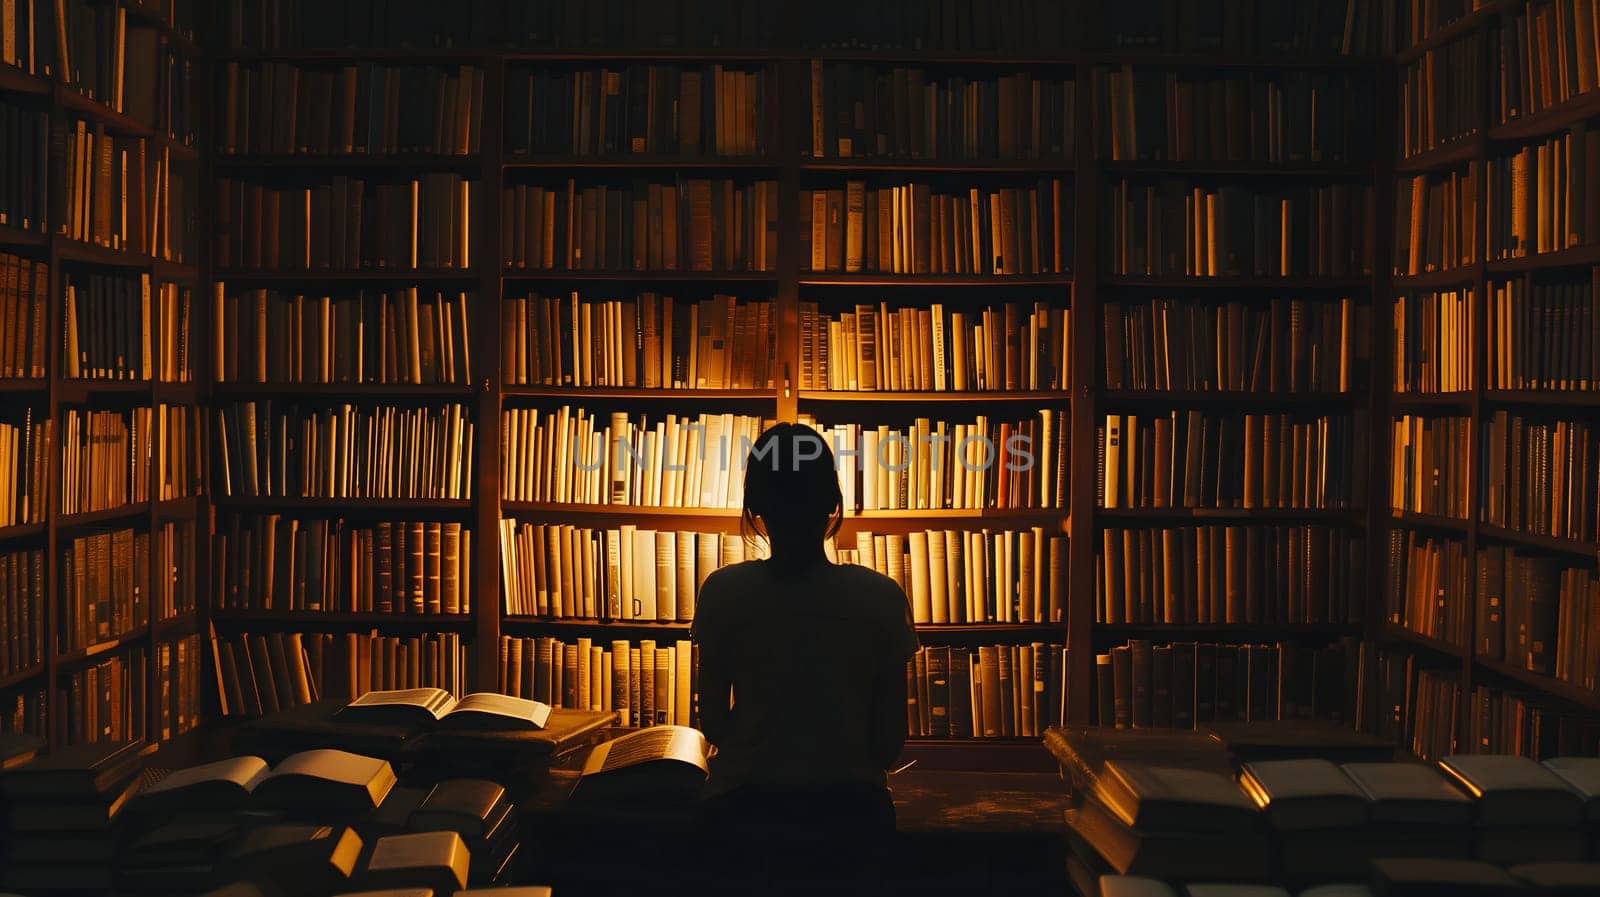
pixel 1175 824
pixel 1316 814
pixel 479 811
pixel 1523 812
pixel 62 815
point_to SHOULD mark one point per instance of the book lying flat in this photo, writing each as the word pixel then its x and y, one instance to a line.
pixel 1082 751
pixel 326 781
pixel 435 706
pixel 1172 856
pixel 497 754
pixel 436 860
pixel 469 807
pixel 1304 794
pixel 1513 791
pixel 1134 886
pixel 1516 846
pixel 17 749
pixel 223 785
pixel 77 771
pixel 519 891
pixel 1159 798
pixel 1559 878
pixel 1440 878
pixel 296 859
pixel 1582 775
pixel 1233 890
pixel 1410 794
pixel 655 762
pixel 95 814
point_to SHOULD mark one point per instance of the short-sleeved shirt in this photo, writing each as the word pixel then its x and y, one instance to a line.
pixel 803 649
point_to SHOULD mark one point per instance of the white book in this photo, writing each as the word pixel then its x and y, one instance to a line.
pixel 921 587
pixel 644 575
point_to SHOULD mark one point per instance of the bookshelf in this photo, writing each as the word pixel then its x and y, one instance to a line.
pixel 1493 134
pixel 153 652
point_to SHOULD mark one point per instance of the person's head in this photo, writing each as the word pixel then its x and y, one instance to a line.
pixel 791 488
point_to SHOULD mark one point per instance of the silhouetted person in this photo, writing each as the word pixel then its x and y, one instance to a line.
pixel 802 676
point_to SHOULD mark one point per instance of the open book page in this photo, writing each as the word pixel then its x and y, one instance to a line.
pixel 655 743
pixel 506 706
pixel 436 701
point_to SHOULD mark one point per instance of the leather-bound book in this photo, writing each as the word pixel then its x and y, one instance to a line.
pixel 436 860
pixel 78 771
pixel 1134 886
pixel 1557 879
pixel 1297 795
pixel 1410 794
pixel 468 807
pixel 1440 878
pixel 1511 791
pixel 1582 775
pixel 1158 798
pixel 295 859
pixel 223 785
pixel 326 781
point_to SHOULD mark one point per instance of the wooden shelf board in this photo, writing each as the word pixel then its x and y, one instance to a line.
pixel 1397 633
pixel 976 166
pixel 173 509
pixel 579 394
pixel 179 625
pixel 930 395
pixel 95 518
pixel 1348 517
pixel 1219 59
pixel 345 506
pixel 825 279
pixel 91 653
pixel 313 620
pixel 313 275
pixel 1571 547
pixel 1552 398
pixel 1191 282
pixel 560 509
pixel 79 391
pixel 12 680
pixel 1448 400
pixel 1452 31
pixel 339 390
pixel 1429 521
pixel 1465 275
pixel 1547 121
pixel 1548 685
pixel 1572 256
pixel 537 162
pixel 22 531
pixel 1192 631
pixel 1456 152
pixel 13 237
pixel 641 276
pixel 15 80
pixel 24 385
pixel 1224 397
pixel 1239 169
pixel 354 161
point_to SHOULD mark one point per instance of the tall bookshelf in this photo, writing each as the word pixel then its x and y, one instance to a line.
pixel 1485 136
pixel 60 678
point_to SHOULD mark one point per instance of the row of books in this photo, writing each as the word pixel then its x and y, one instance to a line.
pixel 1168 227
pixel 404 335
pixel 1541 476
pixel 1430 587
pixel 563 571
pixel 1546 54
pixel 879 347
pixel 23 712
pixel 177 671
pixel 971 576
pixel 174 361
pixel 344 223
pixel 1508 722
pixel 1538 614
pixel 1543 197
pixel 1220 574
pixel 105 458
pixel 1199 459
pixel 1185 685
pixel 24 186
pixel 108 332
pixel 173 587
pixel 652 341
pixel 341 24
pixel 276 563
pixel 935 464
pixel 1317 27
pixel 105 701
pixel 278 108
pixel 995 691
pixel 904 112
pixel 640 109
pixel 347 451
pixel 179 444
pixel 1428 472
pixel 1435 341
pixel 22 612
pixel 1293 117
pixel 120 192
pixel 922 228
pixel 26 448
pixel 1277 345
pixel 647 684
pixel 1420 19
pixel 1542 336
pixel 1442 95
pixel 690 224
pixel 104 587
pixel 261 674
pixel 24 316
pixel 1436 220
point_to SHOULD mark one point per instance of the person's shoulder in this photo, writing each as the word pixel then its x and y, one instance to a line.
pixel 731 579
pixel 873 585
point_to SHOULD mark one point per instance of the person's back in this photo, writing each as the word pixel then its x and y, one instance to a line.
pixel 806 649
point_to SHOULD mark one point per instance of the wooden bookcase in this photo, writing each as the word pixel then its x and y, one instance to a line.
pixel 50 395
pixel 1488 139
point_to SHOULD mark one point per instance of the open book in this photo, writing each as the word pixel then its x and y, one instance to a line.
pixel 655 762
pixel 435 708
